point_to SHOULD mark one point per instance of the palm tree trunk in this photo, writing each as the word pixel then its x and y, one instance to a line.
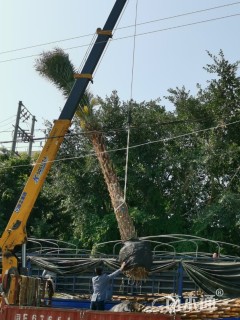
pixel 125 223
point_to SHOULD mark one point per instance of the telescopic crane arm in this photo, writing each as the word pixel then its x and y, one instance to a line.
pixel 15 232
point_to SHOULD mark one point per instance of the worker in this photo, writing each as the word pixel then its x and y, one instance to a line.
pixel 100 285
pixel 50 286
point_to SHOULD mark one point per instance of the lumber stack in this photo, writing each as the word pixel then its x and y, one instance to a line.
pixel 202 308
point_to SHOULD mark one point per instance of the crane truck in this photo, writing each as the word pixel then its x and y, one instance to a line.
pixel 15 234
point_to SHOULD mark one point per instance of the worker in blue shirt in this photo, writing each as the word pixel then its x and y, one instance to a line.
pixel 100 285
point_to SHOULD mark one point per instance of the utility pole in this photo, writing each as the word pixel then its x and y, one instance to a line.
pixel 31 134
pixel 23 115
pixel 16 127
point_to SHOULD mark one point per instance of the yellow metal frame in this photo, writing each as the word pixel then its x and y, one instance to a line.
pixel 15 232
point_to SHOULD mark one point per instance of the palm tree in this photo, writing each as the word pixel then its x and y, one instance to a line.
pixel 58 69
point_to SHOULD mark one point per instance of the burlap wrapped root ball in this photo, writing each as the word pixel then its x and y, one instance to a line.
pixel 138 257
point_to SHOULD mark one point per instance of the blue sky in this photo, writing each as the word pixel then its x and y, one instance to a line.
pixel 167 54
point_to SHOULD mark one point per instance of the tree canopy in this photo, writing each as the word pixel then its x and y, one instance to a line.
pixel 183 168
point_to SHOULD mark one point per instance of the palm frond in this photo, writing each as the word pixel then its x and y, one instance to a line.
pixel 56 67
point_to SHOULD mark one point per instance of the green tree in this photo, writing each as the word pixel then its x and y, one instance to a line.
pixel 13 174
pixel 215 151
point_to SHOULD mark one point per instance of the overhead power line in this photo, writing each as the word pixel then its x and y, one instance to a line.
pixel 124 27
pixel 165 140
pixel 8 118
pixel 6 131
pixel 6 125
pixel 111 130
pixel 182 15
pixel 130 36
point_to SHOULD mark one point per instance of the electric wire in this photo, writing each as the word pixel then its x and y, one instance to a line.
pixel 116 130
pixel 132 146
pixel 235 174
pixel 122 129
pixel 129 111
pixel 131 95
pixel 8 118
pixel 101 58
pixel 6 125
pixel 45 43
pixel 130 36
pixel 87 53
pixel 184 14
pixel 124 27
pixel 109 39
pixel 198 207
pixel 6 131
pixel 180 15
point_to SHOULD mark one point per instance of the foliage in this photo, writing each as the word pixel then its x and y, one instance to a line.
pixel 13 174
pixel 183 167
pixel 63 71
